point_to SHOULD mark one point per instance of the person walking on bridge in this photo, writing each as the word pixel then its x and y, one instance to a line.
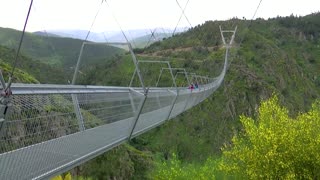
pixel 191 87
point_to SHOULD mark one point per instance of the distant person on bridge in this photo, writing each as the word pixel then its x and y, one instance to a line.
pixel 196 85
pixel 191 87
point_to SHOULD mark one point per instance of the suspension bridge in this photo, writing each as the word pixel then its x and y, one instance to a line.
pixel 47 129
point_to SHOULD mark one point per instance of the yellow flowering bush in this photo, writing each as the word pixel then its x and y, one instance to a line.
pixel 276 146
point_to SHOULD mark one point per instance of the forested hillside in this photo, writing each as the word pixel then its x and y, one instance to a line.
pixel 20 75
pixel 59 53
pixel 44 73
pixel 280 56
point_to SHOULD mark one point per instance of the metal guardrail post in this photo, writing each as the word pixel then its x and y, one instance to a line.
pixel 209 86
pixel 78 112
pixel 186 75
pixel 173 103
pixel 136 117
pixel 137 69
pixel 158 101
pixel 176 93
pixel 132 101
pixel 189 97
pixel 204 89
pixel 132 77
pixel 77 65
pixel 75 101
pixel 157 83
pixel 159 77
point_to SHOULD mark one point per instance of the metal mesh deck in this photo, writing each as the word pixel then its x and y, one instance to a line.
pixel 48 133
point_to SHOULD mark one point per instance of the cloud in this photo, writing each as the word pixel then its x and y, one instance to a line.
pixel 135 14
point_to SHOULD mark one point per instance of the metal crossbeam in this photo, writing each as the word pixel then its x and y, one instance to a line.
pixel 228 44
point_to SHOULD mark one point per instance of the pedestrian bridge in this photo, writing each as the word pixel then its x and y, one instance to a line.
pixel 48 129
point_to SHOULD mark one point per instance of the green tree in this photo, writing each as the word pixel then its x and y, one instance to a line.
pixel 175 169
pixel 276 146
pixel 122 162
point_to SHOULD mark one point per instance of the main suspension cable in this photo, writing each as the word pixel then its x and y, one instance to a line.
pixel 248 26
pixel 21 40
pixel 94 20
pixel 114 17
pixel 182 13
pixel 250 23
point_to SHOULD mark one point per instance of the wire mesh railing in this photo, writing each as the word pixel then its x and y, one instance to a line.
pixel 50 128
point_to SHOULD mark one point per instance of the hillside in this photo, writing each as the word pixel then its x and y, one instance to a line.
pixel 56 51
pixel 146 40
pixel 280 55
pixel 20 76
pixel 43 72
pixel 41 33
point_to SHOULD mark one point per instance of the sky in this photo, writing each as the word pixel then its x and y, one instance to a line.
pixel 140 14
